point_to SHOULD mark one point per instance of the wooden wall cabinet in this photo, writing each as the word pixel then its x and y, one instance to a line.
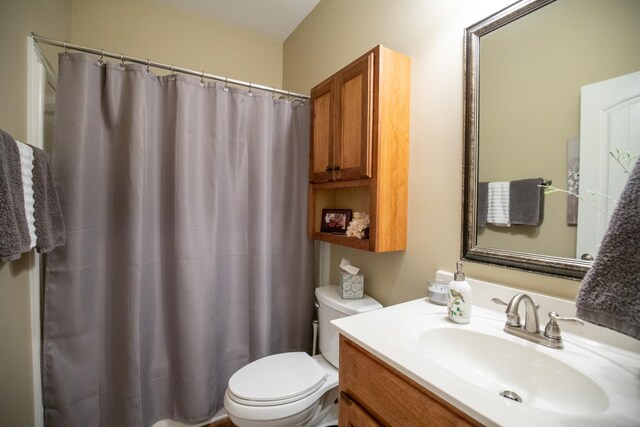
pixel 372 393
pixel 360 148
pixel 342 120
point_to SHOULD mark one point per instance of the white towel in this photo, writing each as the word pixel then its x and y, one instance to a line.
pixel 26 169
pixel 498 204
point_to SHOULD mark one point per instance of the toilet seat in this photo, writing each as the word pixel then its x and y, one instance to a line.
pixel 274 410
pixel 277 380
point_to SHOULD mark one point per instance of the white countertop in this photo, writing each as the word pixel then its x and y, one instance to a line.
pixel 381 333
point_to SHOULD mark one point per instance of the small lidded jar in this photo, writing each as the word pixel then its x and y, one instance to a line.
pixel 437 291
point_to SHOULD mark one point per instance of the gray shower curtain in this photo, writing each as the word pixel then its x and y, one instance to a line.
pixel 186 254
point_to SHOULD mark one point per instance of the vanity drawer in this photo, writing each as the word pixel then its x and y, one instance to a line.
pixel 352 414
pixel 390 397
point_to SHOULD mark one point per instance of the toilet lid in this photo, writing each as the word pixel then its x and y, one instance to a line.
pixel 280 378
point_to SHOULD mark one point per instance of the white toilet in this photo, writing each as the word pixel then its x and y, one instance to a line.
pixel 295 389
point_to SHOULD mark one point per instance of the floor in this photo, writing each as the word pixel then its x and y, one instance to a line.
pixel 221 423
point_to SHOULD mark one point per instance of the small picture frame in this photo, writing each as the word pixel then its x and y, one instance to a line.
pixel 335 221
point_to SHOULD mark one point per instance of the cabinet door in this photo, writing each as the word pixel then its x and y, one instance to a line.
pixel 322 132
pixel 390 397
pixel 352 415
pixel 354 116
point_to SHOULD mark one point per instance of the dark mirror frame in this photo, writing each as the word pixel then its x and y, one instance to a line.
pixel 543 264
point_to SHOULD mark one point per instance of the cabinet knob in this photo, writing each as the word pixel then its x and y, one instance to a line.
pixel 328 168
pixel 336 167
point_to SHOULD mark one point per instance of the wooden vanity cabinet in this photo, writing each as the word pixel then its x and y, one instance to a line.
pixel 372 393
pixel 359 156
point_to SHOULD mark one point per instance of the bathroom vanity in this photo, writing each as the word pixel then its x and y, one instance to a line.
pixel 407 364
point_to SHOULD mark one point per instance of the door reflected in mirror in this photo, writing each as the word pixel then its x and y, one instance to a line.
pixel 551 89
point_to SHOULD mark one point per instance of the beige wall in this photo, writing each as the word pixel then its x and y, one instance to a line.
pixel 17 19
pixel 336 32
pixel 147 29
pixel 577 42
pixel 431 32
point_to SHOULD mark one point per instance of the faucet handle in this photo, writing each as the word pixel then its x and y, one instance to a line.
pixel 555 316
pixel 552 330
pixel 498 301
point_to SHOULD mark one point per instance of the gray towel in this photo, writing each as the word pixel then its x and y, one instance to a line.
pixel 526 202
pixel 610 292
pixel 14 232
pixel 481 204
pixel 49 224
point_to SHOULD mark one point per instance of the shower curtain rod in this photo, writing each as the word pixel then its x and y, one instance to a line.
pixel 125 58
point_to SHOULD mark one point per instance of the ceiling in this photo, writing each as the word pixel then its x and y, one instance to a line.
pixel 275 19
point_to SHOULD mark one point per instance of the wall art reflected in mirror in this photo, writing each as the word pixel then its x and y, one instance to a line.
pixel 552 125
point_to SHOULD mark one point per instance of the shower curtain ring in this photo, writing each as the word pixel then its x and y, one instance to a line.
pixel 273 94
pixel 122 64
pixel 101 56
pixel 173 73
pixel 66 51
pixel 226 84
pixel 202 79
pixel 250 89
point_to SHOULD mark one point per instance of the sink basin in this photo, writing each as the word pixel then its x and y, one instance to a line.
pixel 572 381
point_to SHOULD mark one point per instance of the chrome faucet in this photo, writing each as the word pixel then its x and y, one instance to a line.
pixel 531 321
pixel 551 337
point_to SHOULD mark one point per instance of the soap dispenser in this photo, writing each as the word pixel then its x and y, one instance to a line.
pixel 459 297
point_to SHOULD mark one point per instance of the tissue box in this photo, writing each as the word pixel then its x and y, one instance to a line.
pixel 351 286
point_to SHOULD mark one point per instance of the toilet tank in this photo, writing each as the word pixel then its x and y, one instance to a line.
pixel 332 306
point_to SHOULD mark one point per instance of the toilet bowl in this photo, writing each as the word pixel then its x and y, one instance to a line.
pixel 295 389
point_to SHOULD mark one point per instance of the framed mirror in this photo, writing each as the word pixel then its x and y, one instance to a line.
pixel 529 71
